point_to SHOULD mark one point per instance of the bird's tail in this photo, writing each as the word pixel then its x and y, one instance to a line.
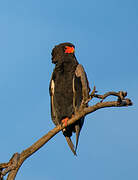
pixel 77 129
pixel 69 141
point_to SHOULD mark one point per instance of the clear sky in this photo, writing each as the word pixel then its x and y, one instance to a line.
pixel 105 33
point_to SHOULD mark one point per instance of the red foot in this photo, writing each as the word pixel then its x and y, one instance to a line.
pixel 65 121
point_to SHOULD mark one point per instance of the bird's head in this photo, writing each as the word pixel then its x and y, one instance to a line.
pixel 61 51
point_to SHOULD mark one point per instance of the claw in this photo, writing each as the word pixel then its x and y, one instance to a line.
pixel 65 121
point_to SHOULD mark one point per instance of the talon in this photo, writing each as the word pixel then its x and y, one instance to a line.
pixel 65 121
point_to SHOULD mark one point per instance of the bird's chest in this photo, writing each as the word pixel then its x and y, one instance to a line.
pixel 64 83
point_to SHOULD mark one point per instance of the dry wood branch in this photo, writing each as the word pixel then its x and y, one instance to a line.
pixel 17 160
pixel 121 95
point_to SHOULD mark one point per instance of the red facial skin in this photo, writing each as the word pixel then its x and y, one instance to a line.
pixel 69 49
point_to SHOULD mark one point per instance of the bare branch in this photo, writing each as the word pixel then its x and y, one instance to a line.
pixel 17 160
pixel 121 95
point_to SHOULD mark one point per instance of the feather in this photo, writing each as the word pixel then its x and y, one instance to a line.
pixel 69 141
pixel 53 109
pixel 77 129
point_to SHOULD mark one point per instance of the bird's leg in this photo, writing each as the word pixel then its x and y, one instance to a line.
pixel 65 120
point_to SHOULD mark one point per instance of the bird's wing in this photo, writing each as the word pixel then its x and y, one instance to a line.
pixel 53 109
pixel 81 93
pixel 54 113
pixel 81 74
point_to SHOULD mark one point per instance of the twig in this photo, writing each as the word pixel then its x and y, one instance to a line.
pixel 121 95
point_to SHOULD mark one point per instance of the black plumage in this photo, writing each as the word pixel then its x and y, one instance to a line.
pixel 66 90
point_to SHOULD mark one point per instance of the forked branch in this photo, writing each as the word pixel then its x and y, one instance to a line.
pixel 17 159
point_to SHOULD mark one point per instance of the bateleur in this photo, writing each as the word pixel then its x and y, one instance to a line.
pixel 67 90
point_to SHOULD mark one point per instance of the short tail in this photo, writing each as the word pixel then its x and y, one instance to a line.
pixel 68 139
pixel 77 129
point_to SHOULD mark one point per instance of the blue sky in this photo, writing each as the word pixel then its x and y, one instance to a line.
pixel 105 34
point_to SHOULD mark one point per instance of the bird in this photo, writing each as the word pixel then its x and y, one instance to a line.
pixel 66 91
